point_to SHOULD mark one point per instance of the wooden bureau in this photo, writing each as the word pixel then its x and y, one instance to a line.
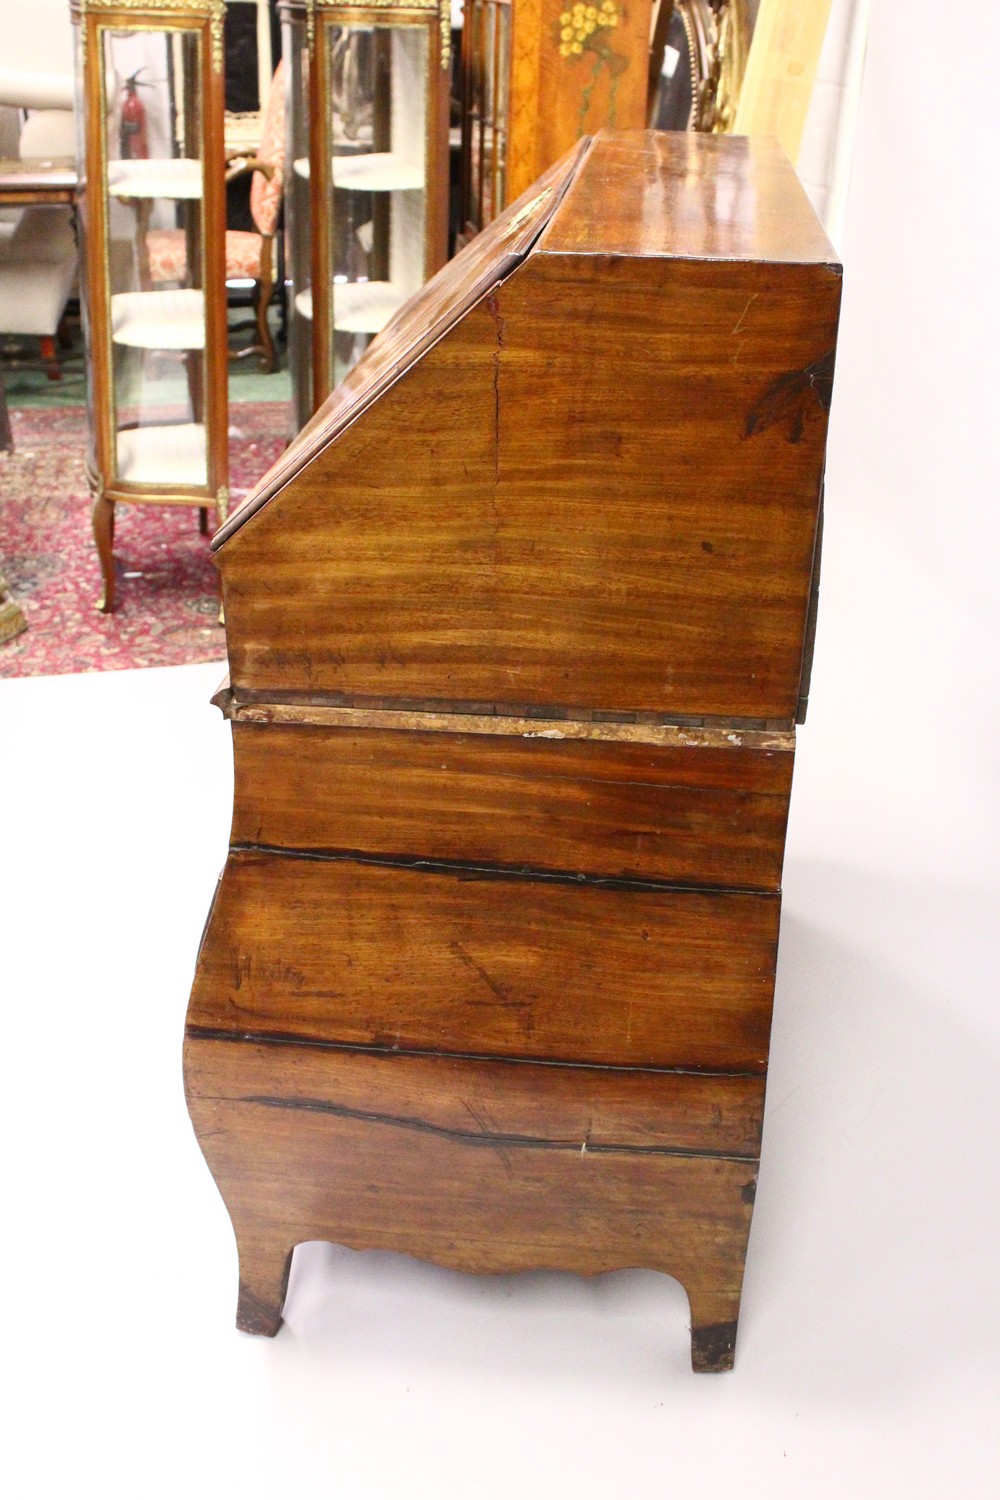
pixel 518 635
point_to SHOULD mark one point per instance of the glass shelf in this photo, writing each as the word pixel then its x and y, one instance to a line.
pixel 371 172
pixel 172 454
pixel 377 182
pixel 174 178
pixel 361 306
pixel 159 320
pixel 366 306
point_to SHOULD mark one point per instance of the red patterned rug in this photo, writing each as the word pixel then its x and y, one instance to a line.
pixel 168 601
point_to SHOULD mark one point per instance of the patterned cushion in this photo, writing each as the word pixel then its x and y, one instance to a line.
pixel 243 249
pixel 167 256
pixel 165 251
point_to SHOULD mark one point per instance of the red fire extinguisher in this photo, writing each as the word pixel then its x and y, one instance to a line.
pixel 134 136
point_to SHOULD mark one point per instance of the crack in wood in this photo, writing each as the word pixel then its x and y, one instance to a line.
pixel 493 1141
pixel 293 1039
pixel 468 871
pixel 494 309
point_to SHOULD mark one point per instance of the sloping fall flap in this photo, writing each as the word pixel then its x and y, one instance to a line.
pixel 421 322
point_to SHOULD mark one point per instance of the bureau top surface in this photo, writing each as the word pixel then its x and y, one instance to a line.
pixel 681 194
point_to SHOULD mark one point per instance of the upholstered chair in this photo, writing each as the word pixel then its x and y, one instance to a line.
pixel 250 254
pixel 38 256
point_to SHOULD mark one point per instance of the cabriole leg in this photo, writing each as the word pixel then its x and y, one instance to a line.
pixel 104 536
pixel 714 1316
pixel 262 301
pixel 264 1269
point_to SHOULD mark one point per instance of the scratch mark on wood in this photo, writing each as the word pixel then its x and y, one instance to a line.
pixel 470 963
pixel 487 1126
pixel 742 317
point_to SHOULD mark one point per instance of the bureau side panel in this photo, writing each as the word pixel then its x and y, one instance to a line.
pixel 690 815
pixel 377 954
pixel 599 490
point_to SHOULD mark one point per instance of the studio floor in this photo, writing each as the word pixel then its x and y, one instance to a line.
pixel 866 1363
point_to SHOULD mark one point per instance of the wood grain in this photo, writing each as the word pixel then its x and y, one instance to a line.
pixel 689 196
pixel 290 1170
pixel 494 1104
pixel 684 815
pixel 624 519
pixel 418 324
pixel 781 71
pixel 468 961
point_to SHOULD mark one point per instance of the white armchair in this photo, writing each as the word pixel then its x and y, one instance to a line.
pixel 38 257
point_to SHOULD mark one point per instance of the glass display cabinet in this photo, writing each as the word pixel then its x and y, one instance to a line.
pixel 152 225
pixel 367 195
pixel 485 111
pixel 536 76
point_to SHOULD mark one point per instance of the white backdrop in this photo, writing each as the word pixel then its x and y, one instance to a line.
pixel 867 1362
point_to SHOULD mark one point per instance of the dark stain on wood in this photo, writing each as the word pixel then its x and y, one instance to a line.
pixel 786 398
pixel 254 1315
pixel 713 1349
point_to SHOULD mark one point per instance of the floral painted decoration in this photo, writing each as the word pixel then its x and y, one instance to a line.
pixel 583 22
pixel 590 28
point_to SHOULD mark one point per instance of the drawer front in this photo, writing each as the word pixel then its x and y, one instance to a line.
pixel 686 814
pixel 397 1167
pixel 496 1105
pixel 472 962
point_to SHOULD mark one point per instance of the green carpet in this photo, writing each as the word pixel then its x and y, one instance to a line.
pixel 27 383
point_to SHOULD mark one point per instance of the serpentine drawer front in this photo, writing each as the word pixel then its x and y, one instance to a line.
pixel 519 632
